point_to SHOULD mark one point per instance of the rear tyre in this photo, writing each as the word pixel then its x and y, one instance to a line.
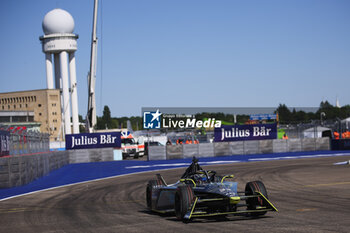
pixel 149 190
pixel 251 188
pixel 184 198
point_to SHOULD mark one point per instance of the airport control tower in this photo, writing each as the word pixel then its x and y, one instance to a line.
pixel 60 43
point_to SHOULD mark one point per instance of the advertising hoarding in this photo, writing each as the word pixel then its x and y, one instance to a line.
pixel 93 140
pixel 227 133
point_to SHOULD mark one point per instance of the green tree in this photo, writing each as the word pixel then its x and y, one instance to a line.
pixel 285 116
pixel 106 120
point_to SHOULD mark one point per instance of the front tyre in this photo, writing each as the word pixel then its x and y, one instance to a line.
pixel 184 198
pixel 254 203
pixel 149 190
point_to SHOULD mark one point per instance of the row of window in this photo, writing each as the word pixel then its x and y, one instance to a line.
pixel 7 119
pixel 14 106
pixel 20 106
pixel 24 99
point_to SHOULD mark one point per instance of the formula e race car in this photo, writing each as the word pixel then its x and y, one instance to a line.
pixel 201 193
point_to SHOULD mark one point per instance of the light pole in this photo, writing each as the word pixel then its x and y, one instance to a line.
pixel 322 114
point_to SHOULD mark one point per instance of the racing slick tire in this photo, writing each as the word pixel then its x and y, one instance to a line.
pixel 149 190
pixel 252 203
pixel 184 198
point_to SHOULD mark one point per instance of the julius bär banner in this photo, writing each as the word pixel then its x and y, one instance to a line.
pixel 228 133
pixel 93 140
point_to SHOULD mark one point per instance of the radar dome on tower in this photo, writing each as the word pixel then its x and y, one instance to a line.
pixel 58 21
pixel 60 43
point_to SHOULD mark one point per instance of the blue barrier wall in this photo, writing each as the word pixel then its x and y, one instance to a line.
pixel 340 144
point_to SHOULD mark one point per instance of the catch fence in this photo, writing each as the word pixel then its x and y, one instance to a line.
pixel 19 140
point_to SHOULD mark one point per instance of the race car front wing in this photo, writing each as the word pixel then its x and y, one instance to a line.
pixel 194 213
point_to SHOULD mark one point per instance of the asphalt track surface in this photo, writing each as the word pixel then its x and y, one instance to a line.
pixel 312 195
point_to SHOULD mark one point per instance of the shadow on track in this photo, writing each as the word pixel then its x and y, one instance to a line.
pixel 231 218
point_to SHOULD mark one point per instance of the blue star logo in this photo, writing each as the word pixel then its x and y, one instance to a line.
pixel 151 120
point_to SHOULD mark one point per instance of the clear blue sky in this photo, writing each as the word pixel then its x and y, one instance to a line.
pixel 183 53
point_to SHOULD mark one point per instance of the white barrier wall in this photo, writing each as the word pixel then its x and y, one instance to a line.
pixel 266 146
pixel 294 145
pixel 238 148
pixel 206 150
pixel 251 147
pixel 280 145
pixel 222 149
pixel 157 153
pixel 173 152
pixel 323 144
pixel 90 155
pixel 190 150
pixel 20 170
pixel 308 144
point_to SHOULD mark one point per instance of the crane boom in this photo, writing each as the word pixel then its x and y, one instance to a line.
pixel 91 114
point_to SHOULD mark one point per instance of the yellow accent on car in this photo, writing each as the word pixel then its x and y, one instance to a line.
pixel 228 176
pixel 183 180
pixel 201 214
pixel 235 200
pixel 212 199
pixel 270 204
pixel 194 204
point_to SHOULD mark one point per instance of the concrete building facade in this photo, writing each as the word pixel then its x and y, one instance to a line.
pixel 45 104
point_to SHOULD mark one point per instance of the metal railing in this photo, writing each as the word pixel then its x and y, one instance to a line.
pixel 315 128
